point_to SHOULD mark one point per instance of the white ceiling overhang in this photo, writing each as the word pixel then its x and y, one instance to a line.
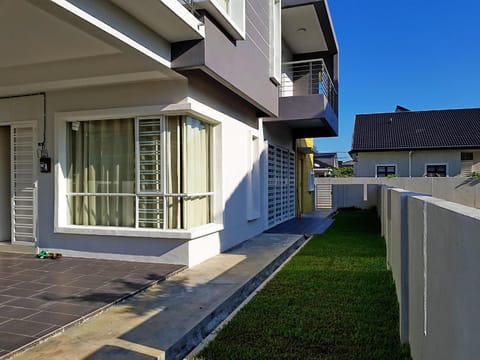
pixel 307 27
pixel 46 46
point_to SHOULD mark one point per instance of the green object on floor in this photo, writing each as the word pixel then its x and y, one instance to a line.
pixel 43 254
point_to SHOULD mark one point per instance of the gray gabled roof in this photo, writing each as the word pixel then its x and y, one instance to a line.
pixel 415 130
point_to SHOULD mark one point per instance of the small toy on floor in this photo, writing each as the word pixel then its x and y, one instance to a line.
pixel 50 255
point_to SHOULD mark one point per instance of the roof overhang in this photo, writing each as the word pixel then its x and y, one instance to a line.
pixel 57 45
pixel 168 18
pixel 307 27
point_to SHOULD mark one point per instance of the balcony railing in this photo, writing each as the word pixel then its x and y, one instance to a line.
pixel 190 6
pixel 307 77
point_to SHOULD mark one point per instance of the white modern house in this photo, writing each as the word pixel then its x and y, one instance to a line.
pixel 153 130
pixel 434 143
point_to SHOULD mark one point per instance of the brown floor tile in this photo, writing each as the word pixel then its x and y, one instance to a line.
pixel 16 312
pixel 23 277
pixel 24 327
pixel 52 318
pixel 5 298
pixel 38 297
pixel 18 292
pixel 69 309
pixel 28 303
pixel 11 341
pixel 88 284
pixel 57 278
pixel 30 285
pixel 6 282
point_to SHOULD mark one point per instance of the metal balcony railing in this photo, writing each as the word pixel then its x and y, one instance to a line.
pixel 190 6
pixel 307 77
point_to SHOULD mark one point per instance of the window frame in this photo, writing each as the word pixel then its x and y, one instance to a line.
pixel 232 19
pixel 385 165
pixel 60 202
pixel 436 164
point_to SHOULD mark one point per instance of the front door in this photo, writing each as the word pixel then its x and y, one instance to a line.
pixel 23 184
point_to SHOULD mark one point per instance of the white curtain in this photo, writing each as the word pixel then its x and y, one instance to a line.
pixel 196 172
pixel 101 159
pixel 172 138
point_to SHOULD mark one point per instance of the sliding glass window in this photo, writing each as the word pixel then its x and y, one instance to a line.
pixel 142 173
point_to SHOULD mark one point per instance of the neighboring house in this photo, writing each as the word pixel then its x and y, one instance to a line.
pixel 151 130
pixel 324 163
pixel 434 143
pixel 346 164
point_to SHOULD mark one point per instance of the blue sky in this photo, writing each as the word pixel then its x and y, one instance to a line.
pixel 419 54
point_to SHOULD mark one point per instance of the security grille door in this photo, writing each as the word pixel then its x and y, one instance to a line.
pixel 23 184
pixel 323 196
pixel 281 184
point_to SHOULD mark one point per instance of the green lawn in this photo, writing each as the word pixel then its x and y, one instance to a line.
pixel 334 300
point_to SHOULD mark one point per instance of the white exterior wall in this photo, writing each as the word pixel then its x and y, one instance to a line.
pixel 365 166
pixel 234 133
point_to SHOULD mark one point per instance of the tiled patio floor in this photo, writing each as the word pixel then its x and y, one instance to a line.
pixel 39 297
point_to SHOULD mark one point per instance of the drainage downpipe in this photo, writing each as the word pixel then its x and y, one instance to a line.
pixel 410 163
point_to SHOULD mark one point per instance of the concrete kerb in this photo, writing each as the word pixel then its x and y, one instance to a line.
pixel 266 279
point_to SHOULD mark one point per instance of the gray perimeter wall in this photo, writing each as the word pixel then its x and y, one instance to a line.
pixel 432 249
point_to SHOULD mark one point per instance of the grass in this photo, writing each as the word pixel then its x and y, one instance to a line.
pixel 334 300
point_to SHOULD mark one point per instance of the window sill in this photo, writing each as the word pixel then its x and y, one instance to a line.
pixel 194 233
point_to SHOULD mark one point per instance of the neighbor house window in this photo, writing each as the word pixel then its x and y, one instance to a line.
pixel 139 173
pixel 385 170
pixel 466 156
pixel 434 170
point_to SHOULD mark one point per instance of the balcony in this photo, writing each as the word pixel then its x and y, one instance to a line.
pixel 308 77
pixel 308 101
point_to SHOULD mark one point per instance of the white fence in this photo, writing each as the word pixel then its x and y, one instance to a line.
pixel 362 192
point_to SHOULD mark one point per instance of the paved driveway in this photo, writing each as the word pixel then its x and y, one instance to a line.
pixel 40 297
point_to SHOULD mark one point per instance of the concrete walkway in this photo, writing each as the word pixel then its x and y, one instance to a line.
pixel 169 319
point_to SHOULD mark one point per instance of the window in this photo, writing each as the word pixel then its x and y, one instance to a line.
pixel 253 179
pixel 466 156
pixel 230 14
pixel 435 170
pixel 385 170
pixel 139 173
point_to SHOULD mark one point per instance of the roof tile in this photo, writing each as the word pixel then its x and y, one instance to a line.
pixel 459 128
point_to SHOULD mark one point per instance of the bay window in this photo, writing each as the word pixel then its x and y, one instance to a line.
pixel 150 172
